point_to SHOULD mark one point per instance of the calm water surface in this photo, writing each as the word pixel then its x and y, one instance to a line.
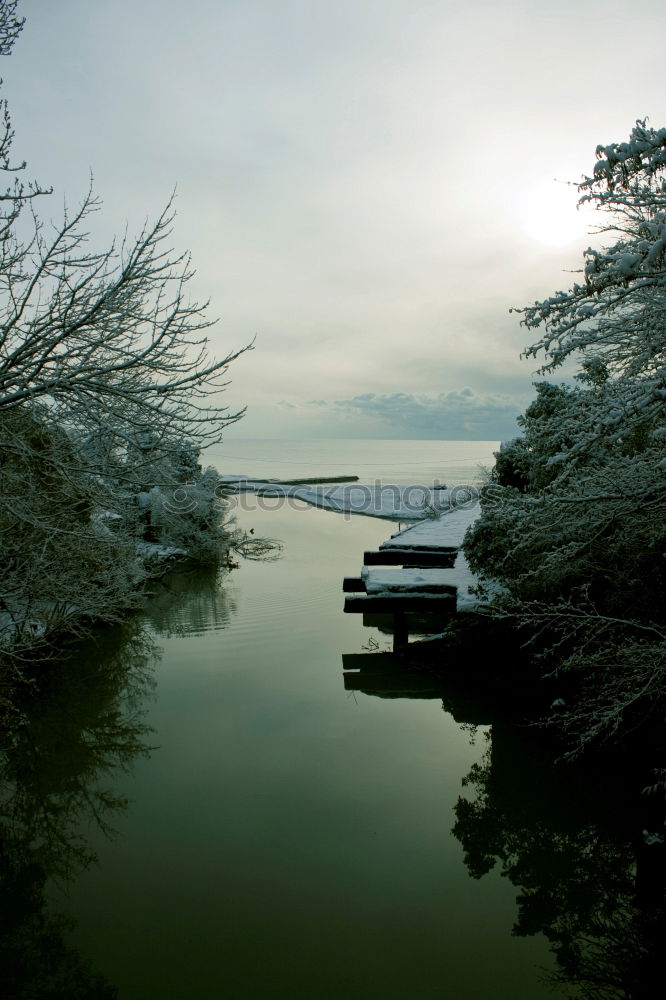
pixel 452 462
pixel 287 838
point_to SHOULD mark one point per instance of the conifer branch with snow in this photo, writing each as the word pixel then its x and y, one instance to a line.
pixel 574 523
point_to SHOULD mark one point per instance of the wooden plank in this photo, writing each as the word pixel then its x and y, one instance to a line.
pixel 391 546
pixel 417 560
pixel 382 622
pixel 353 585
pixel 393 685
pixel 399 603
pixel 446 561
pixel 391 580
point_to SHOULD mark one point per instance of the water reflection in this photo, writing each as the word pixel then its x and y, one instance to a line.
pixel 194 600
pixel 573 842
pixel 74 726
pixel 68 730
pixel 191 602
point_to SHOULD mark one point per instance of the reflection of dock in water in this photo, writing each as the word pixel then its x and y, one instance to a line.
pixel 409 674
pixel 384 674
pixel 414 585
pixel 580 841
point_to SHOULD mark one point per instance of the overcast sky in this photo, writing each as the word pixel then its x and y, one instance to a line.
pixel 365 185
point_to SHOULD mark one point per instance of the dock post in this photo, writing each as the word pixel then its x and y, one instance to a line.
pixel 400 631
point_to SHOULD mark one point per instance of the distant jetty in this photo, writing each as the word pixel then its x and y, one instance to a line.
pixel 320 480
pixel 250 484
pixel 346 495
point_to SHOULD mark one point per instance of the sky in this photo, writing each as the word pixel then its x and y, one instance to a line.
pixel 366 186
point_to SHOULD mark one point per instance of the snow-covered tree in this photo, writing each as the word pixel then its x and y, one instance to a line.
pixel 575 522
pixel 107 391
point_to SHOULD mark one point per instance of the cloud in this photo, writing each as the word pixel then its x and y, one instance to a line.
pixel 342 201
pixel 458 415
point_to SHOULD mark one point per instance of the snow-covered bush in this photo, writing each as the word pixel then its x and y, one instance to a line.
pixel 513 465
pixel 186 515
pixel 59 566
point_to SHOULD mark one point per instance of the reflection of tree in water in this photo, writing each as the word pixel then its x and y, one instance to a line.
pixel 66 729
pixel 190 601
pixel 590 880
pixel 80 721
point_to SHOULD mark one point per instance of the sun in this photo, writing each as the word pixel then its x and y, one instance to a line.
pixel 548 215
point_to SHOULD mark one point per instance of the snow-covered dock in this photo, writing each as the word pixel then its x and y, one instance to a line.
pixel 435 577
pixel 379 499
pixel 435 534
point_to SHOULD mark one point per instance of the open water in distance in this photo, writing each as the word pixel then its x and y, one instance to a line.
pixel 453 463
pixel 287 838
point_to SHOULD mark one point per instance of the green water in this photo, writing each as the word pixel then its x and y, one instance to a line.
pixel 262 832
pixel 288 838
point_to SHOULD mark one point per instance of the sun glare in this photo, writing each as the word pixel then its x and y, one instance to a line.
pixel 548 214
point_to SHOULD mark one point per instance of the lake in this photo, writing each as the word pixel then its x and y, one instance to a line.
pixel 452 462
pixel 284 837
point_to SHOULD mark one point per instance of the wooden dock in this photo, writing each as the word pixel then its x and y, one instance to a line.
pixel 433 572
pixel 411 558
